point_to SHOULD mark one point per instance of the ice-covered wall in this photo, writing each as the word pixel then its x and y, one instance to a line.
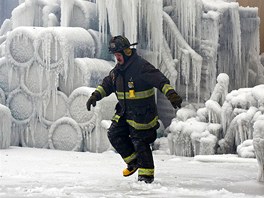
pixel 215 37
pixel 216 30
pixel 44 47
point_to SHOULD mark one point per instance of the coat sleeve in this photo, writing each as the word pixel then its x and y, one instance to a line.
pixel 107 86
pixel 155 78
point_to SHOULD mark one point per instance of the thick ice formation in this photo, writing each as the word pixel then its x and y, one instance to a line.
pixel 258 143
pixel 232 126
pixel 5 127
pixel 87 71
pixel 65 134
pixel 140 21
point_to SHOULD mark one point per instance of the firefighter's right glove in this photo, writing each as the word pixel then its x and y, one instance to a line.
pixel 175 99
pixel 92 100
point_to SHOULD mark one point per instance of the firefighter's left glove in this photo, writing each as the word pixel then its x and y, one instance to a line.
pixel 175 99
pixel 92 100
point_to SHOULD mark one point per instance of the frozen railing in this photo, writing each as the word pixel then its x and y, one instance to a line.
pixel 190 62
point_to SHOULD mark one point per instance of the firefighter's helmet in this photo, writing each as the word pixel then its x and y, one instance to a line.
pixel 119 43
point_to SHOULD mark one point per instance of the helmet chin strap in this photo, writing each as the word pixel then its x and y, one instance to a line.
pixel 127 52
pixel 125 56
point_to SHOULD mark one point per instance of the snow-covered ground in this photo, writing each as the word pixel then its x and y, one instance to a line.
pixel 30 172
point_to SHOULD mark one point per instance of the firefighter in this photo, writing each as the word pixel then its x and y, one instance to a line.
pixel 134 124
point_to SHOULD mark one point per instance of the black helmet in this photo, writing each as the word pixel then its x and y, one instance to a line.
pixel 119 43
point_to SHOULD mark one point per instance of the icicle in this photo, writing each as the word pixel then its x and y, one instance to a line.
pixel 66 12
pixel 10 75
pixel 236 42
pixel 102 12
pixel 56 49
pixel 132 18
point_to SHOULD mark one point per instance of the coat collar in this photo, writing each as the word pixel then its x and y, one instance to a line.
pixel 124 67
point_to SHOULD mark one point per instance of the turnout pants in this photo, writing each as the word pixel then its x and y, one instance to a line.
pixel 133 145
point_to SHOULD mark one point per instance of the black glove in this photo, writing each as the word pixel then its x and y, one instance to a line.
pixel 92 100
pixel 175 99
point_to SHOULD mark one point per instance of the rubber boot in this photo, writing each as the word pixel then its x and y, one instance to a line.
pixel 131 168
pixel 146 179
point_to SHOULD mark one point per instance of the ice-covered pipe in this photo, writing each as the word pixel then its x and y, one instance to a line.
pixel 20 46
pixel 78 13
pixel 2 40
pixel 101 47
pixel 5 27
pixel 100 136
pixel 54 107
pixel 34 13
pixel 34 80
pixel 86 72
pixel 65 134
pixel 23 15
pixel 9 76
pixel 5 127
pixel 21 106
pixel 77 107
pixel 35 135
pixel 94 135
pixel 57 47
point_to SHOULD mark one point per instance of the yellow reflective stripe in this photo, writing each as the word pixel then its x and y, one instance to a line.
pixel 138 95
pixel 116 118
pixel 130 157
pixel 140 126
pixel 120 95
pixel 166 88
pixel 146 171
pixel 101 91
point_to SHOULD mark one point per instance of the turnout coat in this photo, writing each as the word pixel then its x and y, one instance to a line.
pixel 133 83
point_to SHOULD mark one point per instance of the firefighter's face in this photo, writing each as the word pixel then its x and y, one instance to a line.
pixel 119 58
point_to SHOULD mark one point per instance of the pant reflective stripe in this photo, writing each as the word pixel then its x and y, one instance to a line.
pixel 140 126
pixel 116 118
pixel 101 91
pixel 138 95
pixel 130 157
pixel 146 171
pixel 166 88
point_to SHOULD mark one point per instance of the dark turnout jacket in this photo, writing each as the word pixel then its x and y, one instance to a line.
pixel 133 84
